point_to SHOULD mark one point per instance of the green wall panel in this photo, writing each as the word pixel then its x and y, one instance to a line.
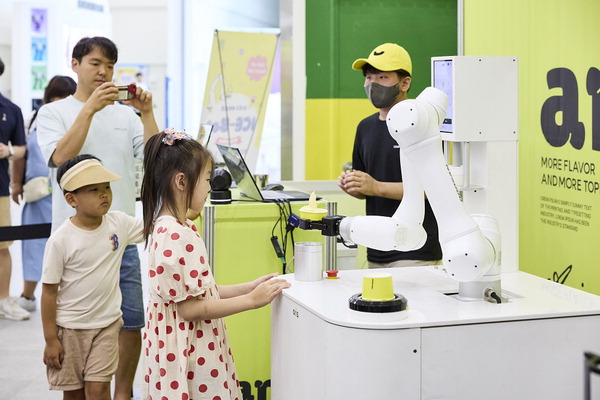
pixel 340 31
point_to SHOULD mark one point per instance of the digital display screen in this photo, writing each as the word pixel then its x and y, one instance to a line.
pixel 442 80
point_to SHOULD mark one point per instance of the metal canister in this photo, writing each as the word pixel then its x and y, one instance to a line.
pixel 308 261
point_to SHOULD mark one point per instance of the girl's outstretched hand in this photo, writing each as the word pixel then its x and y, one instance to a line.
pixel 260 280
pixel 266 291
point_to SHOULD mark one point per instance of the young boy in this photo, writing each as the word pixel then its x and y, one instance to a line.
pixel 81 300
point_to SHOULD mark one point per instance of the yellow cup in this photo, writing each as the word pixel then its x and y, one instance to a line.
pixel 314 214
pixel 378 286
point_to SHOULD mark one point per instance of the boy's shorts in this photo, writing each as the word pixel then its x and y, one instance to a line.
pixel 90 355
pixel 130 283
pixel 5 217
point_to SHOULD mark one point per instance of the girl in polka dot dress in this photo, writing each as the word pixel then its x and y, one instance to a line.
pixel 187 354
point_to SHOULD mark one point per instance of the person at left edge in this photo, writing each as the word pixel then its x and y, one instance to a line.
pixel 12 147
pixel 31 185
pixel 91 122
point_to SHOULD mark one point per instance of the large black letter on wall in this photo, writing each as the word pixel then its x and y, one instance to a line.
pixel 593 86
pixel 568 104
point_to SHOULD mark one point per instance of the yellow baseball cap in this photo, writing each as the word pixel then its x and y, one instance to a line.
pixel 386 57
pixel 86 172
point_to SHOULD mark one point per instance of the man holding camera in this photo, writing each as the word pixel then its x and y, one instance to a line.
pixel 89 121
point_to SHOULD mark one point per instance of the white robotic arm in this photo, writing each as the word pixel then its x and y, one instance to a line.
pixel 403 231
pixel 468 252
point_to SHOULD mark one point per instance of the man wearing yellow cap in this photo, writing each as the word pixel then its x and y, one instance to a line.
pixel 376 175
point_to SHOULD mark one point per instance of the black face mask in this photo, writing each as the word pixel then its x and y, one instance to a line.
pixel 382 96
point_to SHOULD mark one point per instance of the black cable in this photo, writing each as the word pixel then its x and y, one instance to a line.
pixel 496 297
pixel 289 228
pixel 284 222
pixel 285 230
pixel 274 238
pixel 342 241
pixel 273 230
pixel 281 217
pixel 282 230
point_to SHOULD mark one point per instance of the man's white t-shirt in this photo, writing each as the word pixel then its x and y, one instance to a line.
pixel 86 266
pixel 116 137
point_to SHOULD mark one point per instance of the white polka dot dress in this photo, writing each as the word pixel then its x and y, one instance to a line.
pixel 183 360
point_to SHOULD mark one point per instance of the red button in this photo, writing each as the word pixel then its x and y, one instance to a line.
pixel 332 273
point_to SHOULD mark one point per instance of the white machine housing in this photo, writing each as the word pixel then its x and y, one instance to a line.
pixel 482 97
pixel 530 347
pixel 482 139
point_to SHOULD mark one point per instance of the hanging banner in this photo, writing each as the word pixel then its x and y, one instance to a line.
pixel 237 86
pixel 39 53
pixel 559 112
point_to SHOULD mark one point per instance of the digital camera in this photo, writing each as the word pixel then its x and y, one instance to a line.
pixel 127 92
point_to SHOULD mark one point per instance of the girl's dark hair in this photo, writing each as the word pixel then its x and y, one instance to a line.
pixel 70 163
pixel 87 44
pixel 59 86
pixel 161 163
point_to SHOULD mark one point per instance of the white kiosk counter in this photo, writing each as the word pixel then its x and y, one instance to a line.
pixel 531 347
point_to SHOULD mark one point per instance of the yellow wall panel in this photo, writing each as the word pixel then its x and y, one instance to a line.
pixel 330 129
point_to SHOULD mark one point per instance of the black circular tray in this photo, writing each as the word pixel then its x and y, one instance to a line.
pixel 398 303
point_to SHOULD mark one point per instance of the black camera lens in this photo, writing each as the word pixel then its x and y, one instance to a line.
pixel 220 179
pixel 220 182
